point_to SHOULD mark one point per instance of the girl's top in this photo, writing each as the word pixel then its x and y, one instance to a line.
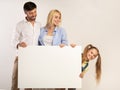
pixel 85 66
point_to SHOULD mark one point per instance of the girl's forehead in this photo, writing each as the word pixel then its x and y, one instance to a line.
pixel 93 50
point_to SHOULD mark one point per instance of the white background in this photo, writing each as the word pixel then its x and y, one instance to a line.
pixel 85 21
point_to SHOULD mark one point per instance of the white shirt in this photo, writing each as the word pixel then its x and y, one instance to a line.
pixel 48 40
pixel 26 32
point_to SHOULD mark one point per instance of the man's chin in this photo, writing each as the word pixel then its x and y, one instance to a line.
pixel 33 19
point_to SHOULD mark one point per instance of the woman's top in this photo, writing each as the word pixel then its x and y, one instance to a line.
pixel 59 36
pixel 48 40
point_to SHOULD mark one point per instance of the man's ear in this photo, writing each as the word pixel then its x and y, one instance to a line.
pixel 25 12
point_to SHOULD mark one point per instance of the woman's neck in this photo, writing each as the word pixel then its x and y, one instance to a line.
pixel 51 28
pixel 50 31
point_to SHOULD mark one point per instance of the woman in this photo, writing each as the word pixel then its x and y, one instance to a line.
pixel 52 34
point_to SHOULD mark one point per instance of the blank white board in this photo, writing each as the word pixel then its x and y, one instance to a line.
pixel 49 67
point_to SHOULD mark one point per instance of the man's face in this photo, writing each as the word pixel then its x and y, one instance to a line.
pixel 31 15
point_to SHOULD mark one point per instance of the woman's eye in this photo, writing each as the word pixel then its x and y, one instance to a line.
pixel 56 17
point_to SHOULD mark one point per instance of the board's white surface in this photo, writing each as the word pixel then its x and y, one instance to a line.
pixel 49 67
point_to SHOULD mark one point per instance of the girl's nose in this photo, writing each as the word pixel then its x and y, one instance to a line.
pixel 92 56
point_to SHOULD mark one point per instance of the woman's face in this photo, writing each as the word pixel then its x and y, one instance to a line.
pixel 56 19
pixel 92 54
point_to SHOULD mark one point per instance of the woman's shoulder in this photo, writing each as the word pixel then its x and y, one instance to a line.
pixel 42 28
pixel 60 29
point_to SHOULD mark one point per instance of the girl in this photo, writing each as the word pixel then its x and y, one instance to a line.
pixel 90 53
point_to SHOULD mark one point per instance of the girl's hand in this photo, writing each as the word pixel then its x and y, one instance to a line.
pixel 81 75
pixel 72 45
pixel 62 45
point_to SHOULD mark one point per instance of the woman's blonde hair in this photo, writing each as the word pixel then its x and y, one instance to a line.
pixel 98 62
pixel 50 17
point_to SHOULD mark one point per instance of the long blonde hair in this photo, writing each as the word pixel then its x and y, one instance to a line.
pixel 50 17
pixel 98 62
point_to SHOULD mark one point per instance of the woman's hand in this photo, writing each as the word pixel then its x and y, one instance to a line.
pixel 72 45
pixel 62 45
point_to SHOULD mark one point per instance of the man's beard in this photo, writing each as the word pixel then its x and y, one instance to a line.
pixel 31 18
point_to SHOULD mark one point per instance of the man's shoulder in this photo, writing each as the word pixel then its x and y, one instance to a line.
pixel 24 21
pixel 38 23
pixel 21 22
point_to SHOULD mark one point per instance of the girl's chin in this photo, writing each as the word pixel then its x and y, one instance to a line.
pixel 89 59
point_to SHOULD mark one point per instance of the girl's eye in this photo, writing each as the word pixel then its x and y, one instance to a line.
pixel 94 55
pixel 91 52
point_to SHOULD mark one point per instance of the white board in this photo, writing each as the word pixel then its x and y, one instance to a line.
pixel 49 67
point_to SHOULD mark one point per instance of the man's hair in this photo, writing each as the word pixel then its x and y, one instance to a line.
pixel 28 6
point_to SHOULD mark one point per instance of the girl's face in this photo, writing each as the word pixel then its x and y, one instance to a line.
pixel 56 19
pixel 92 54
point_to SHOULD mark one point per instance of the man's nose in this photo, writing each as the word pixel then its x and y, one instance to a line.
pixel 34 14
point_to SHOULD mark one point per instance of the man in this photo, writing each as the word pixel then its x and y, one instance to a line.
pixel 26 33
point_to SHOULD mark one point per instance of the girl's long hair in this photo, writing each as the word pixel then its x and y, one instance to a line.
pixel 98 62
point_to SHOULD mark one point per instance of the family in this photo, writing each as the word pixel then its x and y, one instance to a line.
pixel 29 32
